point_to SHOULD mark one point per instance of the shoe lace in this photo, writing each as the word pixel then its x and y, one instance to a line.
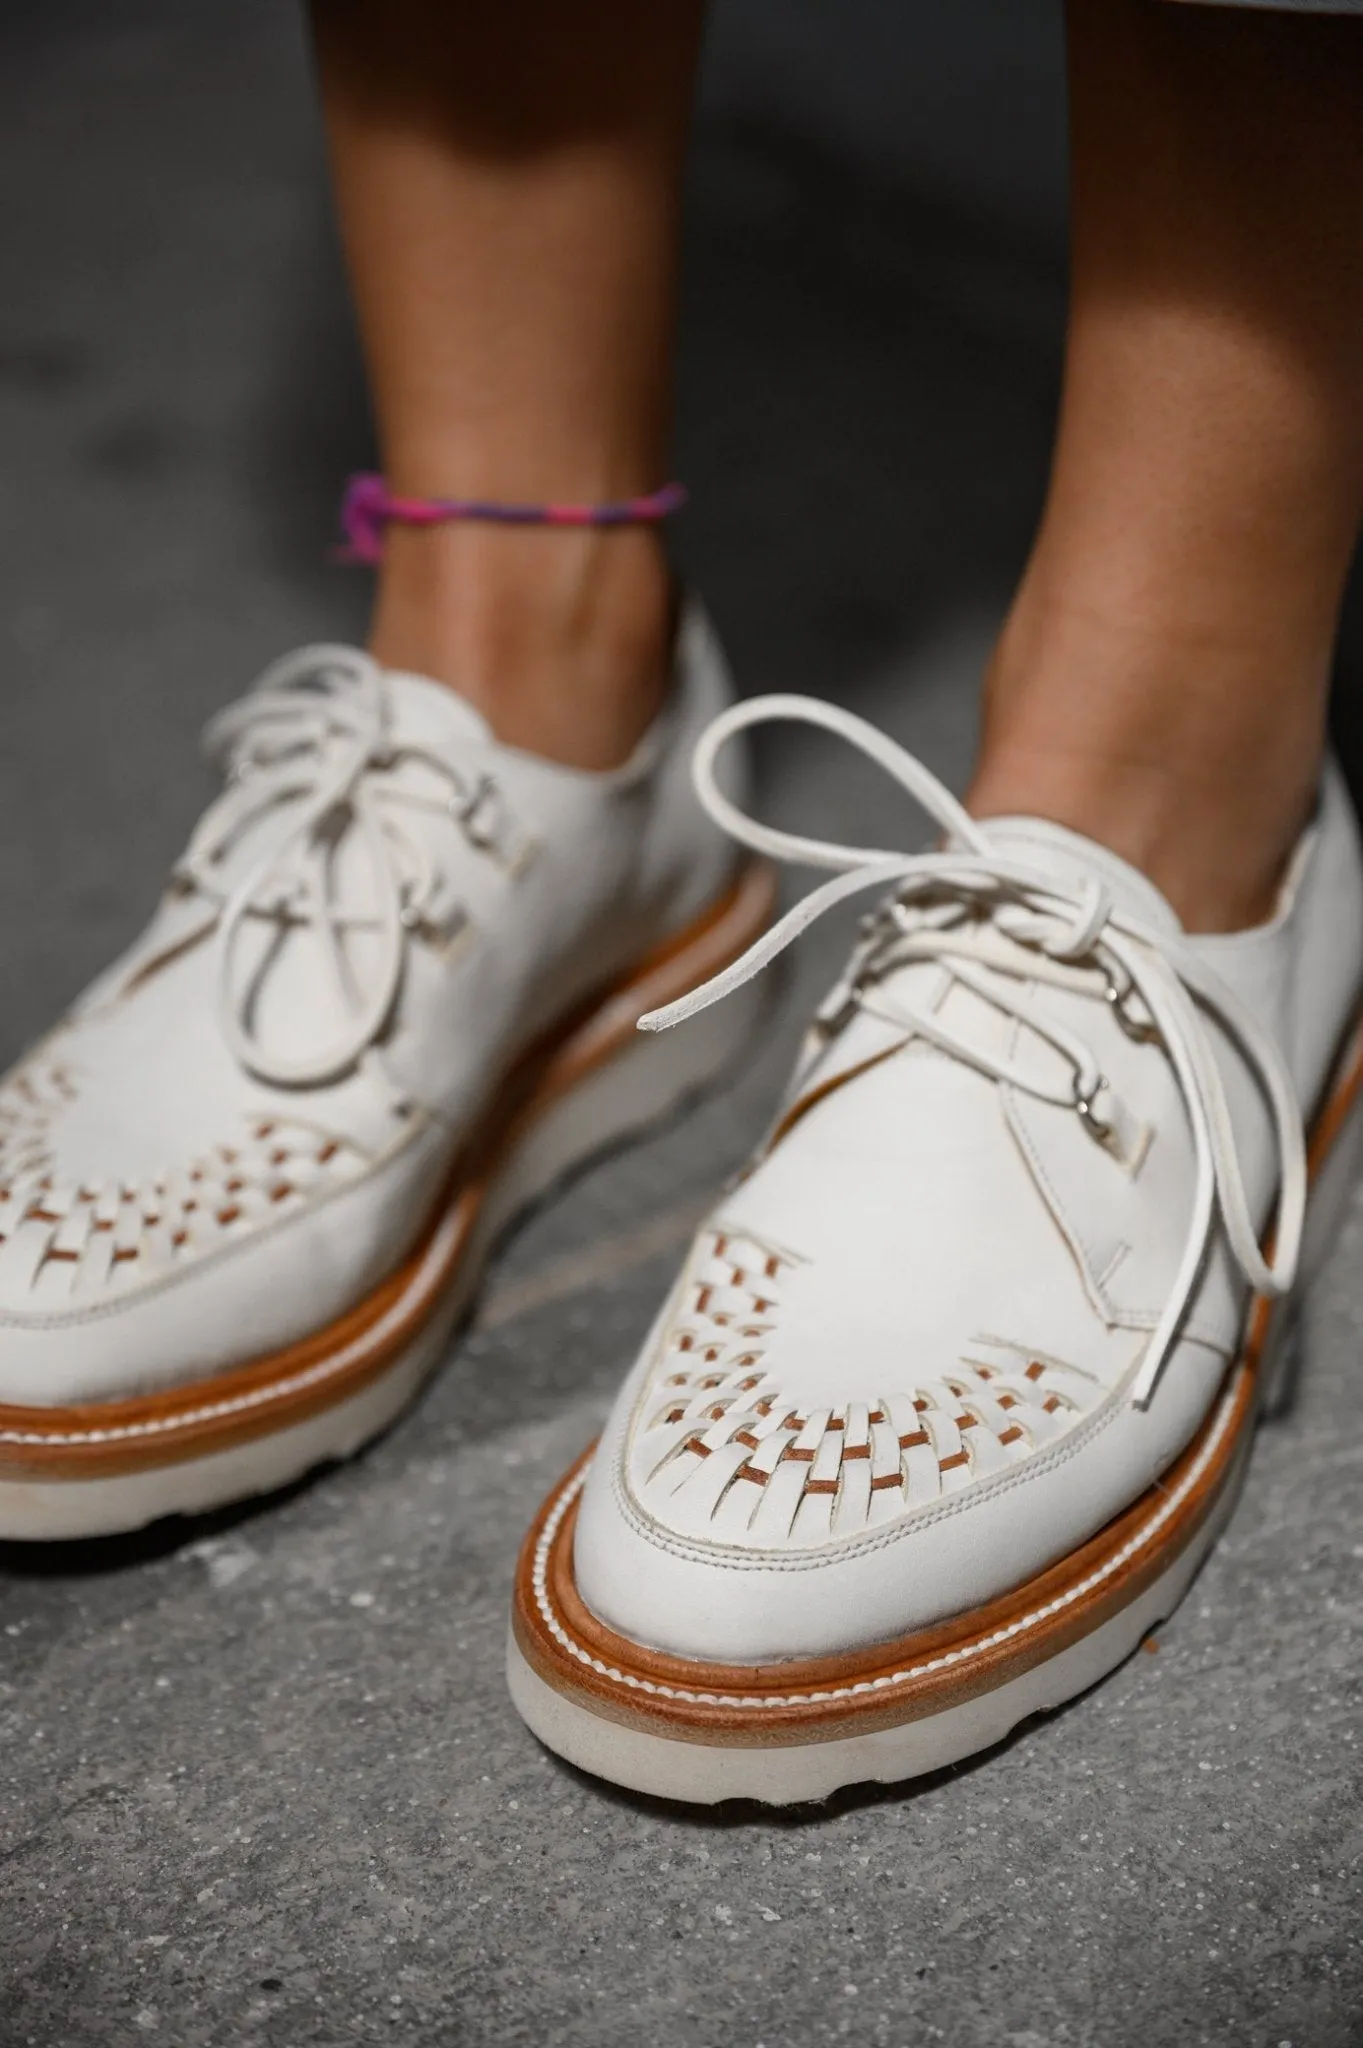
pixel 967 906
pixel 317 734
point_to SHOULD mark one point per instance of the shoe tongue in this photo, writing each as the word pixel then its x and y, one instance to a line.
pixel 1074 860
pixel 431 714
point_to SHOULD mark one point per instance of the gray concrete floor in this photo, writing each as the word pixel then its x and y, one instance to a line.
pixel 259 1778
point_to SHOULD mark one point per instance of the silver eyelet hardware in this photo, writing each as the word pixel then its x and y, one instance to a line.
pixel 1139 1029
pixel 478 814
pixel 1097 1126
pixel 434 927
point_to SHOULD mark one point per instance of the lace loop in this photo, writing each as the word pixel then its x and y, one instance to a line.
pixel 316 734
pixel 1040 929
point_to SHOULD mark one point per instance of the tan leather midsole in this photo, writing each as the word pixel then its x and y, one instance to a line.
pixel 826 1699
pixel 104 1438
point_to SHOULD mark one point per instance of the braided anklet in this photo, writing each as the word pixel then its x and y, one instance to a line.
pixel 368 506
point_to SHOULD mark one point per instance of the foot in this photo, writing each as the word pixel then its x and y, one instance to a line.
pixel 956 1384
pixel 388 996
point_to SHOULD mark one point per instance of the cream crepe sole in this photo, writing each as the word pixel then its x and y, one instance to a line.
pixel 783 1733
pixel 100 1468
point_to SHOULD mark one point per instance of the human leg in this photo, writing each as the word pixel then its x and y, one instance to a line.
pixel 507 181
pixel 1161 680
pixel 957 1383
pixel 389 995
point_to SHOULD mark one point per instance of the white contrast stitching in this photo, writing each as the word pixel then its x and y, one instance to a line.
pixel 256 1397
pixel 1134 1544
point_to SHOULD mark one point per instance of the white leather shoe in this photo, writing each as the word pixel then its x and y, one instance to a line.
pixel 388 998
pixel 956 1387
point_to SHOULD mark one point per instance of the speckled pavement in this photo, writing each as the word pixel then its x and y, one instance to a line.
pixel 259 1778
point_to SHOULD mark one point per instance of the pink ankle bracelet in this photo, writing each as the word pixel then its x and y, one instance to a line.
pixel 368 506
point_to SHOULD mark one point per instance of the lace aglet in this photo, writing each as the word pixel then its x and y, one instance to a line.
pixel 1147 1379
pixel 712 991
pixel 663 1019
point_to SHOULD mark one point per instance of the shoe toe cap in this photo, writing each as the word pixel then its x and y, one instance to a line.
pixel 685 1573
pixel 93 1328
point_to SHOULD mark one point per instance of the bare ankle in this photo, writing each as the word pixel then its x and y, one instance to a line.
pixel 1203 780
pixel 561 638
pixel 1214 853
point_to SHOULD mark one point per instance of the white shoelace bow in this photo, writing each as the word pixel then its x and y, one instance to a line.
pixel 1037 929
pixel 317 732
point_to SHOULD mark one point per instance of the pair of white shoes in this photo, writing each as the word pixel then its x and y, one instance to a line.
pixel 956 1385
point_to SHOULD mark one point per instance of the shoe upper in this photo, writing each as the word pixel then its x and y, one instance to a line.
pixel 983 1280
pixel 244 1124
